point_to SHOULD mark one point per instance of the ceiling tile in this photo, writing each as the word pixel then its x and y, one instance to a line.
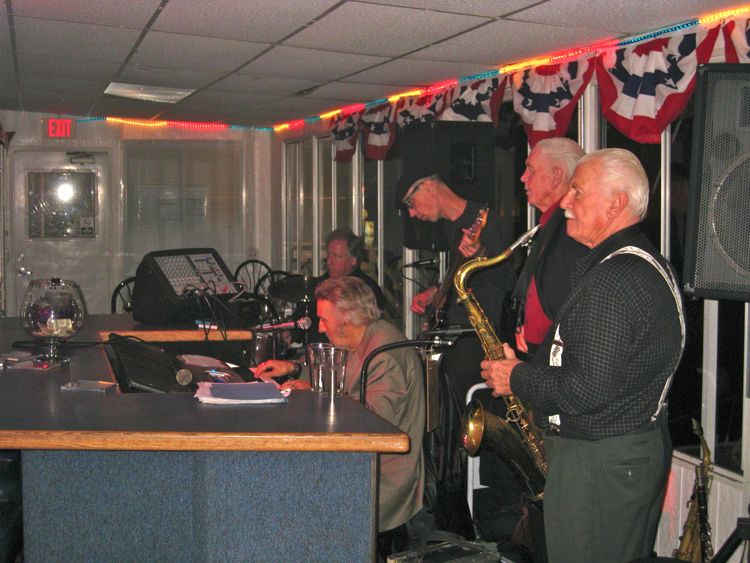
pixel 289 109
pixel 261 84
pixel 110 105
pixel 411 72
pixel 169 77
pixel 199 112
pixel 64 103
pixel 73 40
pixel 235 99
pixel 488 8
pixel 309 64
pixel 10 102
pixel 72 68
pixel 7 85
pixel 41 83
pixel 6 55
pixel 503 42
pixel 621 17
pixel 129 13
pixel 354 92
pixel 194 53
pixel 256 20
pixel 381 30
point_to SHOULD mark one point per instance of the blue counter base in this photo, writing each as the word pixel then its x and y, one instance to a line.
pixel 198 506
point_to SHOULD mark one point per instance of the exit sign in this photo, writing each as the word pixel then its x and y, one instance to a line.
pixel 57 128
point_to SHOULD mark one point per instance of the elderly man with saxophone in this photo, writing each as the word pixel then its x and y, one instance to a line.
pixel 544 282
pixel 603 372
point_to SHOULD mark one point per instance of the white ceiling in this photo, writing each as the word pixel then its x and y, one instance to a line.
pixel 261 62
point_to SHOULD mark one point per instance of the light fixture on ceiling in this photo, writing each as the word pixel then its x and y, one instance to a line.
pixel 148 93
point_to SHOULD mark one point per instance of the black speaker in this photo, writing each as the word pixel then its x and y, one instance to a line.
pixel 182 285
pixel 717 246
pixel 462 153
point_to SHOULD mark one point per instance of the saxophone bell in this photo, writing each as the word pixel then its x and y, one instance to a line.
pixel 489 432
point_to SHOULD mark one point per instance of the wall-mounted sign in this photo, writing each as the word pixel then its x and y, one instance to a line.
pixel 58 128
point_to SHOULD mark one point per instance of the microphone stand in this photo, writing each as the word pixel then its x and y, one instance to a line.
pixel 435 342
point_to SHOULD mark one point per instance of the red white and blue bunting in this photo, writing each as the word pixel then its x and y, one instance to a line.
pixel 345 130
pixel 737 40
pixel 478 101
pixel 643 87
pixel 546 96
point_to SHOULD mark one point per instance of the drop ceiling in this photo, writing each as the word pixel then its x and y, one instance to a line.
pixel 261 62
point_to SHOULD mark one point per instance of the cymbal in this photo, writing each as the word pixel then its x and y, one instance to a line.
pixel 293 288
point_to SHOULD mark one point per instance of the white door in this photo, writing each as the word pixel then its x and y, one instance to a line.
pixel 59 228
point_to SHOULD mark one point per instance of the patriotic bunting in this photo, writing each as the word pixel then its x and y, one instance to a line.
pixel 546 96
pixel 478 101
pixel 642 88
pixel 345 131
pixel 380 130
pixel 425 108
pixel 645 87
pixel 737 40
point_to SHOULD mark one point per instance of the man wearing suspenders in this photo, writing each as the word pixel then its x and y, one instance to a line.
pixel 602 374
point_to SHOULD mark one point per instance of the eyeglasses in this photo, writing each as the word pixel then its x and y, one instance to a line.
pixel 413 189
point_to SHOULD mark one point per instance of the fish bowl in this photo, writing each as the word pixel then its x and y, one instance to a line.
pixel 51 312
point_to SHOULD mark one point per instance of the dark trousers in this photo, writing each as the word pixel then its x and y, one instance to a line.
pixel 393 541
pixel 603 498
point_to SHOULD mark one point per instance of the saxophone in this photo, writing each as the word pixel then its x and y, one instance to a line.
pixel 695 541
pixel 514 438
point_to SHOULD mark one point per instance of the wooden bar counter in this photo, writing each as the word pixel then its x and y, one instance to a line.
pixel 140 476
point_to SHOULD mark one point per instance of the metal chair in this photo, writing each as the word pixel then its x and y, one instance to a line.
pixel 123 295
pixel 279 305
pixel 249 273
pixel 267 280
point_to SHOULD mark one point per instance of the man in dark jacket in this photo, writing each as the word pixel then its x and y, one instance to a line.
pixel 599 380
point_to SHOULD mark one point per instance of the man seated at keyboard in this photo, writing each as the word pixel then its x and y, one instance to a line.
pixel 348 314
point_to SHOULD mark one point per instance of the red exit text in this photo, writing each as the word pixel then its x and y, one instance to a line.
pixel 57 128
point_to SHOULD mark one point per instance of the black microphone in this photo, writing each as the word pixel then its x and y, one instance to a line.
pixel 303 323
pixel 426 262
pixel 448 331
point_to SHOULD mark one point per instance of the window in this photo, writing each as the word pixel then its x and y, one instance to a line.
pixel 182 195
pixel 61 204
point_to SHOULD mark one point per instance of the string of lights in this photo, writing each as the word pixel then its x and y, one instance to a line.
pixel 434 88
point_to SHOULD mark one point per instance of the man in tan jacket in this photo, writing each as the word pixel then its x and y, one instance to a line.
pixel 349 316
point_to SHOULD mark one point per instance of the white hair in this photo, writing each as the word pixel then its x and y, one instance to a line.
pixel 561 151
pixel 621 171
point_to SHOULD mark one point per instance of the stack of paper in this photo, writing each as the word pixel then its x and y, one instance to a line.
pixel 239 393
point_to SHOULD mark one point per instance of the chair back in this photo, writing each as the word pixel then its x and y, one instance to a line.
pixel 249 272
pixel 122 296
pixel 262 289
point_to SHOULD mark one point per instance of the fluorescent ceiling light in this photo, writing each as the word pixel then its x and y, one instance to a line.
pixel 148 93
